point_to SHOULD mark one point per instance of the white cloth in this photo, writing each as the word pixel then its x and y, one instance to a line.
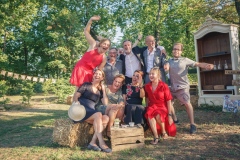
pixel 132 64
pixel 150 60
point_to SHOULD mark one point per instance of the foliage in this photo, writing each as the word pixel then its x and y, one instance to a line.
pixel 3 88
pixel 45 38
pixel 63 89
pixel 27 92
pixel 3 91
pixel 47 87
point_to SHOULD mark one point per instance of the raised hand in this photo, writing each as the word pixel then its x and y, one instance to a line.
pixel 140 80
pixel 95 18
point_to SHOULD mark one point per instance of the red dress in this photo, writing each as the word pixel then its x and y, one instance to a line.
pixel 157 104
pixel 83 70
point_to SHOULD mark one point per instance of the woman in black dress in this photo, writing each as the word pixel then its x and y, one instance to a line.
pixel 88 94
pixel 133 94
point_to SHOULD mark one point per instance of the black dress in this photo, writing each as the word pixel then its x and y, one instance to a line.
pixel 134 110
pixel 88 99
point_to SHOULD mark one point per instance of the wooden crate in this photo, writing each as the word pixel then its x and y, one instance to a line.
pixel 218 87
pixel 126 138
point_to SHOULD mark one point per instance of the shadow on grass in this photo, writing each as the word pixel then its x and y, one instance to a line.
pixel 217 137
pixel 32 127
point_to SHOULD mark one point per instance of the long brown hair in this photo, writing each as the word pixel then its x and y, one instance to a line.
pixel 99 87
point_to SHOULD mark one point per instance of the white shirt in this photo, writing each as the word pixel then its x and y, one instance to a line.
pixel 150 60
pixel 132 64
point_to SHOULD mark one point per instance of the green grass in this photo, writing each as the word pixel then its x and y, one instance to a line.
pixel 27 134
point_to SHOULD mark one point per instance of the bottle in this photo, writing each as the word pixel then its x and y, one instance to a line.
pixel 219 65
pixel 225 65
pixel 214 66
pixel 116 123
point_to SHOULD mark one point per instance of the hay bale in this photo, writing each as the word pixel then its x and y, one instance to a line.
pixel 67 133
pixel 69 99
pixel 148 133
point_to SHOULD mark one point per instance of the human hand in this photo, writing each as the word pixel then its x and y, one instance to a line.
pixel 95 18
pixel 209 66
pixel 103 85
pixel 75 102
pixel 140 79
pixel 166 66
pixel 170 120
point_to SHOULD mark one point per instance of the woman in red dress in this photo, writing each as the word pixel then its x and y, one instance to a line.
pixel 158 110
pixel 94 57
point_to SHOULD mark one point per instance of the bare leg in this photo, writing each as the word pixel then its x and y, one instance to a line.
pixel 112 115
pixel 152 123
pixel 173 113
pixel 97 121
pixel 162 125
pixel 189 109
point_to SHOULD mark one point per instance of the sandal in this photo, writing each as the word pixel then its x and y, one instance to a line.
pixel 107 150
pixel 155 141
pixel 164 135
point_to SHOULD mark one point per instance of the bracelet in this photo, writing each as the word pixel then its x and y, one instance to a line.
pixel 170 115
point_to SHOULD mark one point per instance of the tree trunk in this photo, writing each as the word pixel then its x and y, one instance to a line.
pixel 25 57
pixel 157 21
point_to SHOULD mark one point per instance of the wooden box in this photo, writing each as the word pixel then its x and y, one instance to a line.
pixel 208 87
pixel 126 138
pixel 218 87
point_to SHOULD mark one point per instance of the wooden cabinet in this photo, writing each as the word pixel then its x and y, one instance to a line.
pixel 218 44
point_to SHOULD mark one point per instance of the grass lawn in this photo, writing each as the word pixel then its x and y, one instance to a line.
pixel 26 132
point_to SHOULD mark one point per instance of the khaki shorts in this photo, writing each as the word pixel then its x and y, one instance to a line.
pixel 182 95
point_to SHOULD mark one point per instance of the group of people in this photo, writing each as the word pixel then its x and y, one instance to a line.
pixel 114 86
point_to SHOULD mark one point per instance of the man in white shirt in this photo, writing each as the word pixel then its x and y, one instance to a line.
pixel 153 57
pixel 131 61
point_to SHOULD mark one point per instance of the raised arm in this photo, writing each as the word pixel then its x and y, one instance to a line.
pixel 105 98
pixel 207 66
pixel 91 41
pixel 104 61
pixel 137 40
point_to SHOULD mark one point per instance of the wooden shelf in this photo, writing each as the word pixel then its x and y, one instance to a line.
pixel 215 70
pixel 226 91
pixel 216 54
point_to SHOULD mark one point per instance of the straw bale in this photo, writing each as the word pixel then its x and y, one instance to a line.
pixel 69 99
pixel 68 133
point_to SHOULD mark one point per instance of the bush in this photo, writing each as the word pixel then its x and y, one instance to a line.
pixel 38 87
pixel 63 89
pixel 3 88
pixel 27 92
